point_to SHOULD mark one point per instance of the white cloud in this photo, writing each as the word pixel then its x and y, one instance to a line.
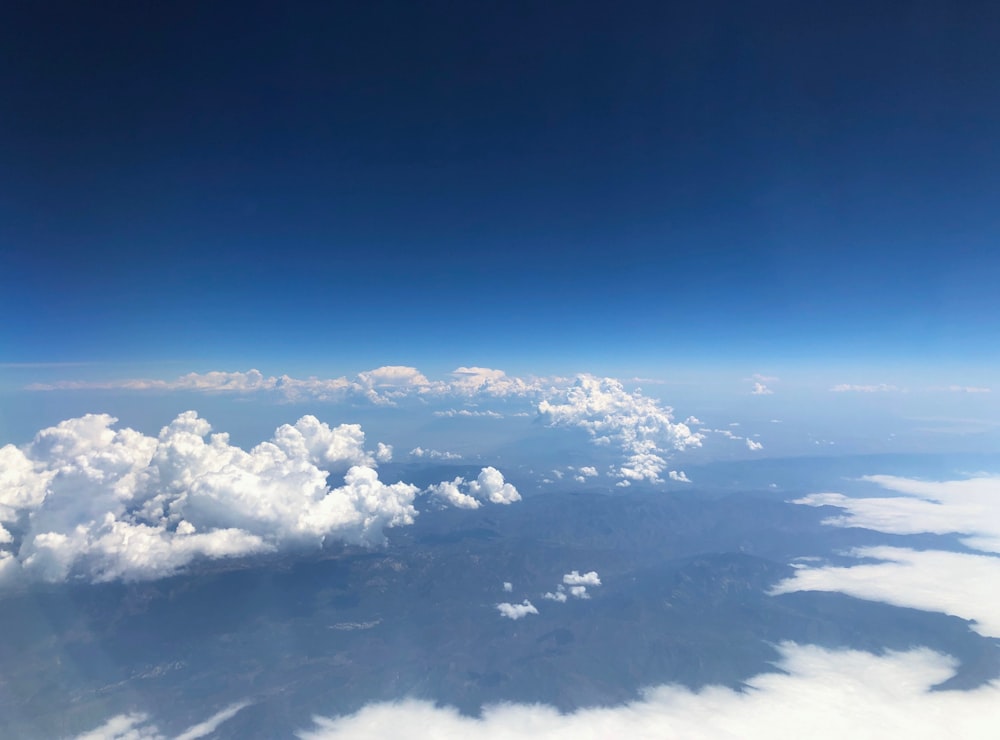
pixel 848 388
pixel 137 726
pixel 643 428
pixel 678 475
pixel 516 611
pixel 970 507
pixel 104 504
pixel 434 454
pixel 588 471
pixel 754 446
pixel 558 595
pixel 933 580
pixel 489 486
pixel 951 582
pixel 574 578
pixel 508 586
pixel 818 693
pixel 759 389
pixel 451 413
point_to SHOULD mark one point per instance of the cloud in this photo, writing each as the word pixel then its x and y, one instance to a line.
pixel 573 578
pixel 489 486
pixel 516 611
pixel 639 425
pixel 754 446
pixel 759 389
pixel 679 476
pixel 932 580
pixel 951 582
pixel 558 595
pixel 848 388
pixel 93 502
pixel 434 454
pixel 588 471
pixel 817 693
pixel 137 726
pixel 508 586
pixel 451 413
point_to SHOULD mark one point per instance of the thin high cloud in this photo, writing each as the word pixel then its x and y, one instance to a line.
pixel 139 726
pixel 819 694
pixel 935 580
pixel 85 500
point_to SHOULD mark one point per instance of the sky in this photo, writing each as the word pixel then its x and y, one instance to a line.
pixel 547 187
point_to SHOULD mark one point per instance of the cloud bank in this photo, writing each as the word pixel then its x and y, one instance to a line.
pixel 820 694
pixel 937 580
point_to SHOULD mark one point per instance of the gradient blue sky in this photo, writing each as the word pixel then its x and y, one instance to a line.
pixel 534 186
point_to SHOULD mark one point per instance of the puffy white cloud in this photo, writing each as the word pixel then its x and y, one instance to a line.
pixel 558 595
pixel 489 486
pixel 818 693
pixel 754 446
pixel 516 611
pixel 639 425
pixel 588 471
pixel 473 381
pixel 574 578
pixel 103 504
pixel 678 475
pixel 508 586
pixel 759 389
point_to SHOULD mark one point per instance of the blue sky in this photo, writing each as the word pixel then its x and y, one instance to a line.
pixel 549 188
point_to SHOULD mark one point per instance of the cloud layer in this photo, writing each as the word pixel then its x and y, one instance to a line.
pixel 950 582
pixel 819 694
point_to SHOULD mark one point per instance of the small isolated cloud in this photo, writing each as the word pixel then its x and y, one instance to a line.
pixel 508 586
pixel 679 476
pixel 489 487
pixel 573 578
pixel 516 611
pixel 965 389
pixel 759 389
pixel 848 388
pixel 815 693
pixel 754 446
pixel 573 584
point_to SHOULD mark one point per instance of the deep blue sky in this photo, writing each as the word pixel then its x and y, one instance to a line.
pixel 498 183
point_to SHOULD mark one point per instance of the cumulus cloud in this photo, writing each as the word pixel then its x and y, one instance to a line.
pixel 516 611
pixel 452 413
pixel 639 425
pixel 489 486
pixel 759 389
pixel 951 582
pixel 818 693
pixel 508 587
pixel 754 446
pixel 94 502
pixel 679 476
pixel 574 578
